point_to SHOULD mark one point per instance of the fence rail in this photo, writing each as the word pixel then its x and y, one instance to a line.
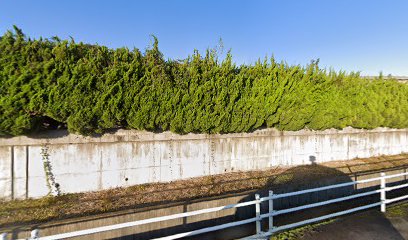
pixel 35 234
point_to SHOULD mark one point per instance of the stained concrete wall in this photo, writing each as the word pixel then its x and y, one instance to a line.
pixel 129 157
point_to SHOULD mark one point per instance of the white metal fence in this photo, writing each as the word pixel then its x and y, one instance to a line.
pixel 383 201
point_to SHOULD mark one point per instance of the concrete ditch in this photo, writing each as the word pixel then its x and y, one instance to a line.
pixel 186 224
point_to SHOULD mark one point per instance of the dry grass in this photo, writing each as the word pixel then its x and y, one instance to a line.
pixel 81 204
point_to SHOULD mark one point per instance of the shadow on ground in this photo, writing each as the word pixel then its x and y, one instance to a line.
pixel 370 225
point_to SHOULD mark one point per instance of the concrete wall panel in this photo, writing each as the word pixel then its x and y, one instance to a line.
pixel 6 182
pixel 130 157
pixel 20 179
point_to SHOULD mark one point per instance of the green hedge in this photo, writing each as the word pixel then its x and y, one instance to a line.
pixel 50 83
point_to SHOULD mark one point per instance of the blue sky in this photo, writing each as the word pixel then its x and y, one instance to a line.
pixel 353 35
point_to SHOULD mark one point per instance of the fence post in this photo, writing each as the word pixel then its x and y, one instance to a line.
pixel 35 234
pixel 3 236
pixel 258 213
pixel 382 194
pixel 270 211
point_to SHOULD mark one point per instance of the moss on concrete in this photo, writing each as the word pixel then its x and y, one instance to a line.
pixel 298 233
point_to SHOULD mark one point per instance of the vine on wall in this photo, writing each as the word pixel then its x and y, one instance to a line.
pixel 53 186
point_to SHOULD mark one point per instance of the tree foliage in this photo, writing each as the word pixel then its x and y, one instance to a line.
pixel 50 83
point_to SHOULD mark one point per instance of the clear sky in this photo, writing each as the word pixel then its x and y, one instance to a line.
pixel 353 35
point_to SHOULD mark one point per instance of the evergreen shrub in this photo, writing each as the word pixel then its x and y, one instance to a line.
pixel 54 83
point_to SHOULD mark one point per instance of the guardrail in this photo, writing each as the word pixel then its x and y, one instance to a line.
pixel 383 201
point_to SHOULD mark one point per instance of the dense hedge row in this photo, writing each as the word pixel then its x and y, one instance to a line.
pixel 49 83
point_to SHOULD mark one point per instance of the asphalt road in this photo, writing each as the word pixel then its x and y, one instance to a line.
pixel 370 225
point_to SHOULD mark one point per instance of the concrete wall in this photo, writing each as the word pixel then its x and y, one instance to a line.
pixel 129 157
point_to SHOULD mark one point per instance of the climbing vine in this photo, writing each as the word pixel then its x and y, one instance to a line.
pixel 53 187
